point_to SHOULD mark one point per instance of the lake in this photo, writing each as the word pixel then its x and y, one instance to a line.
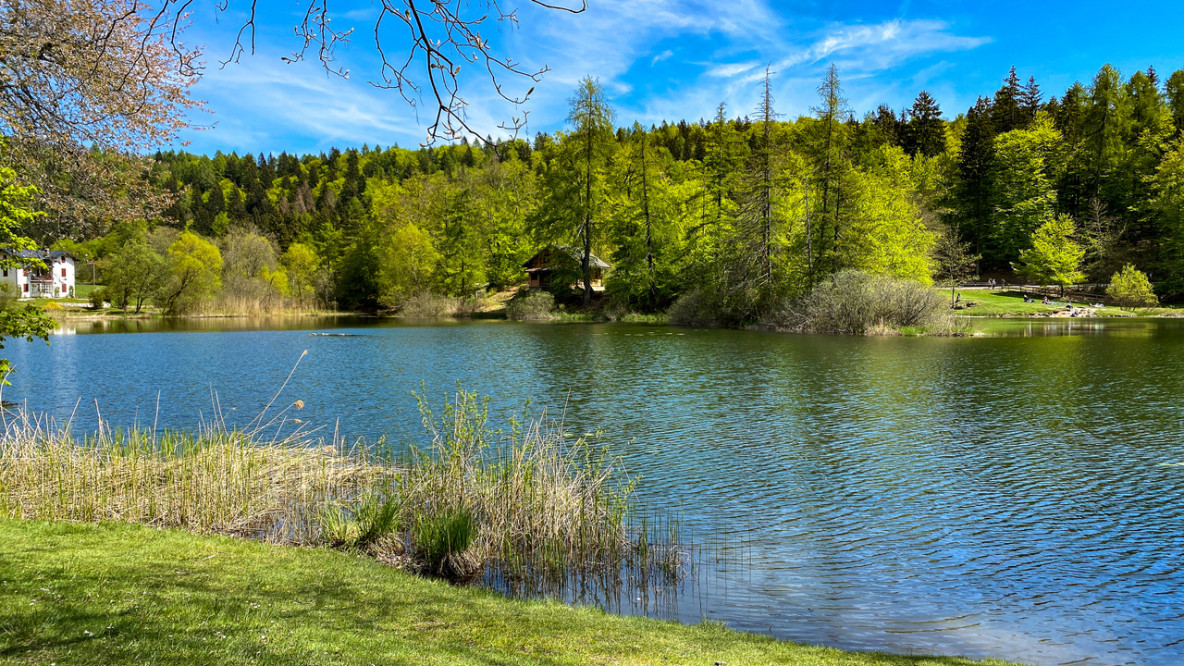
pixel 1016 496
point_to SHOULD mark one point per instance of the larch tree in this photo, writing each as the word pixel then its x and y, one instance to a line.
pixel 574 181
pixel 830 167
pixel 1130 288
pixel 1054 258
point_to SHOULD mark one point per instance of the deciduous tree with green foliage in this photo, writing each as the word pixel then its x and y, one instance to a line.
pixel 132 270
pixel 954 260
pixel 194 273
pixel 1025 172
pixel 16 211
pixel 1054 258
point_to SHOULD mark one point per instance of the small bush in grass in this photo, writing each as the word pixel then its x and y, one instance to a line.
pixel 1130 288
pixel 534 306
pixel 98 298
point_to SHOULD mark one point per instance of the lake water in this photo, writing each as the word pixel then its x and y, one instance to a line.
pixel 1015 496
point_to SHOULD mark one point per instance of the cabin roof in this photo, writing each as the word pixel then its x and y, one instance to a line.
pixel 575 253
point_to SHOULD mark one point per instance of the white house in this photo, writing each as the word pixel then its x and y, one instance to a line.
pixel 26 282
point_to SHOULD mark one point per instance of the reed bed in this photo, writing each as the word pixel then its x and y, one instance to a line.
pixel 212 481
pixel 474 502
pixel 544 504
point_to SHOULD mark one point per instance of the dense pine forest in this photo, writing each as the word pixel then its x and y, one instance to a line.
pixel 736 214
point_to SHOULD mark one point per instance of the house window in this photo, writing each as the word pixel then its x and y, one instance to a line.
pixel 63 271
pixel 26 287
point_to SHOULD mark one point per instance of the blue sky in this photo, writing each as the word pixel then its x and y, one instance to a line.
pixel 677 59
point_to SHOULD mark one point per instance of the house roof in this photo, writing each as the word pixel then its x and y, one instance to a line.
pixel 574 253
pixel 44 255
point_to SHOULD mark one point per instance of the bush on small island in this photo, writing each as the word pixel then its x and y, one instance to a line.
pixel 859 303
pixel 428 305
pixel 532 306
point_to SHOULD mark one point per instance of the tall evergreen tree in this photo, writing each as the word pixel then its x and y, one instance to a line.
pixel 1006 114
pixel 1030 100
pixel 1175 95
pixel 974 188
pixel 925 132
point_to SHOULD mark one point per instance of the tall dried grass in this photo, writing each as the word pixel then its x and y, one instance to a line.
pixel 536 503
pixel 544 504
pixel 212 481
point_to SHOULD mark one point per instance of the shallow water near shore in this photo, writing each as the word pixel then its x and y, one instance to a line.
pixel 1015 496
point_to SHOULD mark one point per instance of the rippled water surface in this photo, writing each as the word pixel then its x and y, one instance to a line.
pixel 1015 496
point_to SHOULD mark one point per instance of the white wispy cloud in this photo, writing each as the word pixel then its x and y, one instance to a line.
pixel 301 99
pixel 664 55
pixel 712 52
pixel 730 69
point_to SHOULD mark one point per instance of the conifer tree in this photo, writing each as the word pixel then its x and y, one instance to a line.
pixel 1006 113
pixel 1030 100
pixel 1130 288
pixel 974 191
pixel 925 132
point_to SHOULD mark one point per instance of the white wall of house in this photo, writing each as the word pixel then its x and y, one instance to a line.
pixel 25 284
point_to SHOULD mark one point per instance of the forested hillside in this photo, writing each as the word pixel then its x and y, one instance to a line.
pixel 744 210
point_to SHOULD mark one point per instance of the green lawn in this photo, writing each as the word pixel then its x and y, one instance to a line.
pixel 985 303
pixel 99 594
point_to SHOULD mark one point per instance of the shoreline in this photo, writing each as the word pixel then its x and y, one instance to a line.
pixel 139 593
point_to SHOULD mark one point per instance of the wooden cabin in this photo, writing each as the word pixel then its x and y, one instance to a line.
pixel 563 263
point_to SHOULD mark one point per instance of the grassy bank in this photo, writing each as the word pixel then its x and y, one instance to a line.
pixel 985 303
pixel 99 594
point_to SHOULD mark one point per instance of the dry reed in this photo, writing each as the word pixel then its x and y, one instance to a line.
pixel 542 505
pixel 212 481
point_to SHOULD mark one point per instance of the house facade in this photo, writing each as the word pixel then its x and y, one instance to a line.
pixel 559 262
pixel 24 281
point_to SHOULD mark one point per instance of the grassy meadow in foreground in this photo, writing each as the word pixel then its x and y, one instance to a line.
pixel 108 593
